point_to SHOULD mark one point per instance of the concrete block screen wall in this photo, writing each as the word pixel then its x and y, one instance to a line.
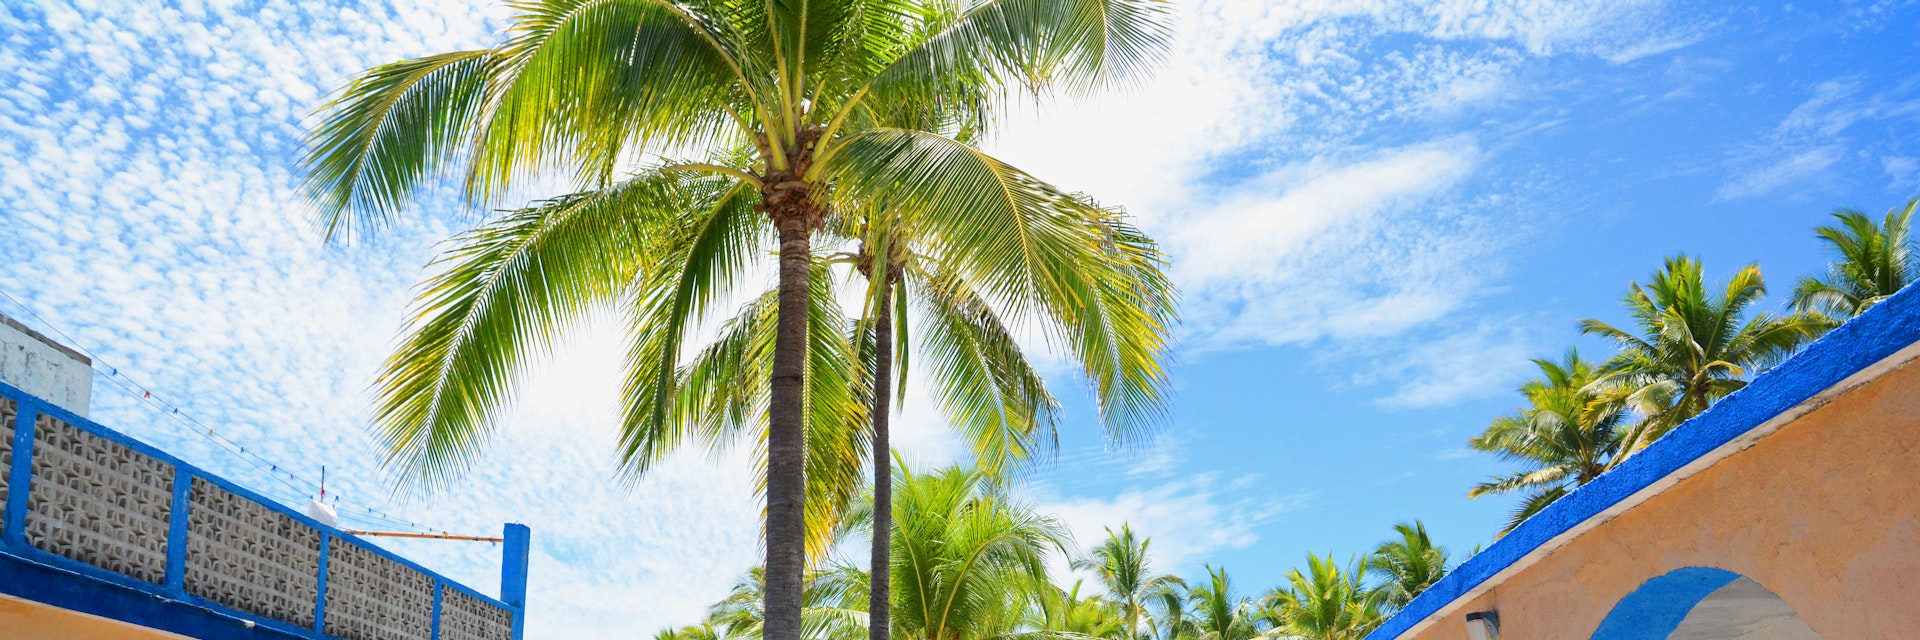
pixel 94 522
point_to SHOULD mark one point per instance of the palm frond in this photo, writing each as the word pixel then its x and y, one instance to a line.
pixel 507 288
pixel 389 130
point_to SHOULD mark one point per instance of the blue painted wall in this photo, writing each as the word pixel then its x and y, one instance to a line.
pixel 29 573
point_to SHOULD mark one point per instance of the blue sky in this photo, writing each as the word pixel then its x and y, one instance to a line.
pixel 1378 211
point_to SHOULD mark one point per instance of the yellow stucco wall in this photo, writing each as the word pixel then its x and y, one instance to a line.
pixel 28 620
pixel 1824 512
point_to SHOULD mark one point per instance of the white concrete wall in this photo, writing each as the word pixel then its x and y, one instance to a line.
pixel 44 368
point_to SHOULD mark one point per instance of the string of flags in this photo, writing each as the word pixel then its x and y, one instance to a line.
pixel 271 469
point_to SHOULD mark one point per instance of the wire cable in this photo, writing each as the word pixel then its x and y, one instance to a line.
pixel 145 396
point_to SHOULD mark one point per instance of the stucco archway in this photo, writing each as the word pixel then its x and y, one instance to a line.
pixel 1702 603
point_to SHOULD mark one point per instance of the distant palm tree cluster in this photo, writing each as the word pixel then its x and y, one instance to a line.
pixel 970 563
pixel 1689 346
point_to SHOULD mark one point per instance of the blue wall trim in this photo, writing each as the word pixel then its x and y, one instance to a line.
pixel 32 574
pixel 513 572
pixel 438 591
pixel 73 591
pixel 1873 336
pixel 177 529
pixel 320 594
pixel 1656 608
pixel 20 477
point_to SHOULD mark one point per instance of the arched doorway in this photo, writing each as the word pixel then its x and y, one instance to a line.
pixel 1702 603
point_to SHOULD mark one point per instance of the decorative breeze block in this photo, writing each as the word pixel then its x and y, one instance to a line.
pixel 98 501
pixel 372 598
pixel 8 410
pixel 464 617
pixel 248 556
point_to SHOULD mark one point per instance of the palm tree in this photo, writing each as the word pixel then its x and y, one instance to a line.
pixel 832 608
pixel 788 109
pixel 1872 261
pixel 1121 565
pixel 990 392
pixel 702 631
pixel 1693 347
pixel 1167 605
pixel 1410 565
pixel 1217 612
pixel 1567 435
pixel 1064 614
pixel 1326 603
pixel 968 561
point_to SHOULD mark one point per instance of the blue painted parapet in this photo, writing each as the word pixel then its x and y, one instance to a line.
pixel 1875 335
pixel 96 522
pixel 513 572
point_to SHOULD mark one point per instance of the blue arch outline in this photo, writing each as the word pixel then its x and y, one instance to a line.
pixel 1656 608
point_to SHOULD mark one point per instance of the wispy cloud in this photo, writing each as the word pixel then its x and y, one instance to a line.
pixel 147 196
pixel 1817 138
pixel 1461 365
pixel 1187 518
pixel 1310 181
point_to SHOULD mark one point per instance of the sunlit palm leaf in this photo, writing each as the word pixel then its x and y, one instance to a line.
pixel 388 130
pixel 506 289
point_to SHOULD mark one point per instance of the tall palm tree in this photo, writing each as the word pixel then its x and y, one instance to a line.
pixel 968 561
pixel 1326 603
pixel 991 393
pixel 1121 565
pixel 1409 565
pixel 793 110
pixel 1217 612
pixel 1871 261
pixel 1567 435
pixel 1692 346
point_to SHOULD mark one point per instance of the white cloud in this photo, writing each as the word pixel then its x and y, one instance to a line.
pixel 1457 366
pixel 1784 172
pixel 1247 236
pixel 1317 258
pixel 1812 139
pixel 1188 518
pixel 1269 157
pixel 1902 171
pixel 146 193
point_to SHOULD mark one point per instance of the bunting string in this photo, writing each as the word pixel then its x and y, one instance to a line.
pixel 285 476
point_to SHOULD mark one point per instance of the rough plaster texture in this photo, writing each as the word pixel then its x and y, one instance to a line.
pixel 38 365
pixel 1825 513
pixel 1742 610
pixel 29 620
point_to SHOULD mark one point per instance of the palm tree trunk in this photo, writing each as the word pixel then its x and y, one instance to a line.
pixel 881 562
pixel 786 430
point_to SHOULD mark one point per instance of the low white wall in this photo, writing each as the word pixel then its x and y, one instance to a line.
pixel 44 368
